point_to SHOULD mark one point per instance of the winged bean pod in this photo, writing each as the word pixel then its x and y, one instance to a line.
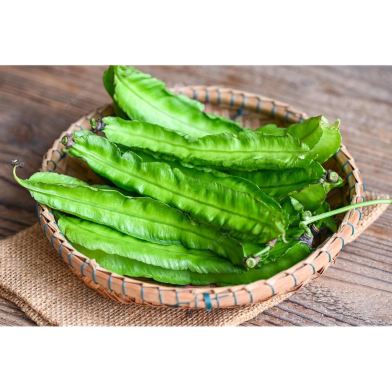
pixel 316 132
pixel 145 98
pixel 206 202
pixel 211 175
pixel 314 195
pixel 98 237
pixel 272 129
pixel 67 180
pixel 108 82
pixel 248 151
pixel 321 137
pixel 140 217
pixel 295 252
pixel 278 183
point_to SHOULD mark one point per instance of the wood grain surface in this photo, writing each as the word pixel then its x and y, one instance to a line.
pixel 38 103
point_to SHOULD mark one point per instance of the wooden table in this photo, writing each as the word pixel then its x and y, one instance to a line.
pixel 38 103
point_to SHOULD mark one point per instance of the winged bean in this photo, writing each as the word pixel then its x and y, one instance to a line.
pixel 278 183
pixel 295 252
pixel 108 82
pixel 229 181
pixel 314 195
pixel 248 151
pixel 145 98
pixel 98 237
pixel 316 132
pixel 321 137
pixel 140 217
pixel 206 202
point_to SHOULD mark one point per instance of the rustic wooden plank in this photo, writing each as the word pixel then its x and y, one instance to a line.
pixel 12 315
pixel 38 103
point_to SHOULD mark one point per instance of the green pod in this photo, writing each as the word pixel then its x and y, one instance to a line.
pixel 139 217
pixel 247 151
pixel 145 98
pixel 311 199
pixel 321 137
pixel 272 129
pixel 314 195
pixel 98 237
pixel 206 202
pixel 229 181
pixel 108 82
pixel 279 183
pixel 296 252
pixel 67 180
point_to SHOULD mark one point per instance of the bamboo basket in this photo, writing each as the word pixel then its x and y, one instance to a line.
pixel 251 110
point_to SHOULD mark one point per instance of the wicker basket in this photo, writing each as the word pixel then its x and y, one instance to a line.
pixel 252 110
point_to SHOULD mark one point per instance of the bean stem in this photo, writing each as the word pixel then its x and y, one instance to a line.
pixel 252 260
pixel 344 209
pixel 265 250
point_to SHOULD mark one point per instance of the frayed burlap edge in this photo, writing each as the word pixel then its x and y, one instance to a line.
pixel 22 305
pixel 36 280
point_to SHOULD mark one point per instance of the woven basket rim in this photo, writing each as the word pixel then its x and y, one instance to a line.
pixel 131 290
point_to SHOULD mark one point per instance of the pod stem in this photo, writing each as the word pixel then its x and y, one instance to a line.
pixel 17 163
pixel 17 179
pixel 265 250
pixel 332 177
pixel 68 140
pixel 97 125
pixel 252 260
pixel 315 218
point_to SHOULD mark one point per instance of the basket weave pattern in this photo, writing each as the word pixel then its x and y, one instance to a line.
pixel 251 110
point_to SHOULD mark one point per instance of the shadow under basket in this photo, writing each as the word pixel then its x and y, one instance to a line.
pixel 251 110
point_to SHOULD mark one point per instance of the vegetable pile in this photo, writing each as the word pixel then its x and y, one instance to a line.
pixel 191 198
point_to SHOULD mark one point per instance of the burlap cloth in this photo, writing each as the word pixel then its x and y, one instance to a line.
pixel 33 276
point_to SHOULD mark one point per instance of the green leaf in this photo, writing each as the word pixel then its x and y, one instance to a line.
pixel 248 151
pixel 296 252
pixel 322 138
pixel 146 99
pixel 206 202
pixel 140 217
pixel 278 183
pixel 98 237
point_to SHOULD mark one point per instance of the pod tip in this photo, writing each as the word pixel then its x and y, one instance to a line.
pixel 17 163
pixel 332 176
pixel 306 238
pixel 251 262
pixel 97 125
pixel 67 140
